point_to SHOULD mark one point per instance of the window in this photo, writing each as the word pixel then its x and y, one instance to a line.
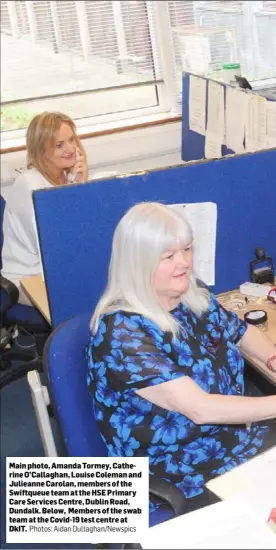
pixel 226 32
pixel 103 61
pixel 87 58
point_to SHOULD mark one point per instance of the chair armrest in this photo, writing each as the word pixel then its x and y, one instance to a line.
pixel 12 293
pixel 169 493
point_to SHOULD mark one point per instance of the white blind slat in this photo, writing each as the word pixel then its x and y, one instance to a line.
pixel 269 5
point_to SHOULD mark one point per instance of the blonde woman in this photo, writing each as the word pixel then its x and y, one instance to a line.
pixel 165 367
pixel 55 156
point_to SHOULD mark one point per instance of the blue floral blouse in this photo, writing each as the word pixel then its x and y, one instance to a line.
pixel 130 352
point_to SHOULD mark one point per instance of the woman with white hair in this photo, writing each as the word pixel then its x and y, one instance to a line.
pixel 165 366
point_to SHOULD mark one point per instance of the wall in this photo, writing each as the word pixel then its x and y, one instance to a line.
pixel 125 152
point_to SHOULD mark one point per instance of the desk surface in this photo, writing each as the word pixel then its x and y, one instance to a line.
pixel 256 478
pixel 239 521
pixel 35 289
pixel 233 523
pixel 256 303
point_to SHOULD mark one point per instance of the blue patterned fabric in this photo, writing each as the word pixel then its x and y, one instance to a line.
pixel 130 352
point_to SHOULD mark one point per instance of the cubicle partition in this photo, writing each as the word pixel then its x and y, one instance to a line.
pixel 76 223
pixel 193 142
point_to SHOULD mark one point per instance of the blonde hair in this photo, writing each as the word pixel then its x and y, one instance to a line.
pixel 143 234
pixel 42 129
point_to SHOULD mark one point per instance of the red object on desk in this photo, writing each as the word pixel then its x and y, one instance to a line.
pixel 272 516
pixel 272 295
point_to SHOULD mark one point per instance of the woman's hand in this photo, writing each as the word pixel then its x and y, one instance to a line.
pixel 79 172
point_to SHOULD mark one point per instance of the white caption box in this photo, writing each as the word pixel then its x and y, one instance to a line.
pixel 76 500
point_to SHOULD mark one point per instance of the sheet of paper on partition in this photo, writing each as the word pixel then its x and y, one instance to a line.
pixel 212 148
pixel 202 217
pixel 235 119
pixel 215 130
pixel 215 112
pixel 229 524
pixel 271 124
pixel 197 104
pixel 255 126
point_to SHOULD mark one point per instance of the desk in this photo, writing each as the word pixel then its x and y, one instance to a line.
pixel 36 291
pixel 239 521
pixel 256 478
pixel 260 303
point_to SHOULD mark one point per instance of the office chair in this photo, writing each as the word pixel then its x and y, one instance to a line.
pixel 18 320
pixel 65 369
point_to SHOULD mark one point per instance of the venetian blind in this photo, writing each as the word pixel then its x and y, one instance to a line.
pixel 50 48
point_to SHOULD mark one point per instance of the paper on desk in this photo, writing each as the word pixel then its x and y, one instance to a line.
pixel 197 104
pixel 255 479
pixel 212 148
pixel 103 175
pixel 215 113
pixel 255 127
pixel 229 524
pixel 202 217
pixel 235 118
pixel 271 124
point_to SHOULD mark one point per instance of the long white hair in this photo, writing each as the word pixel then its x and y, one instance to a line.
pixel 143 234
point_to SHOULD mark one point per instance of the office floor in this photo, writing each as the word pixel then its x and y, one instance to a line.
pixel 20 437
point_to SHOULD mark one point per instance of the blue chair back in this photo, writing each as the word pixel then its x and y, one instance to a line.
pixel 2 208
pixel 66 366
